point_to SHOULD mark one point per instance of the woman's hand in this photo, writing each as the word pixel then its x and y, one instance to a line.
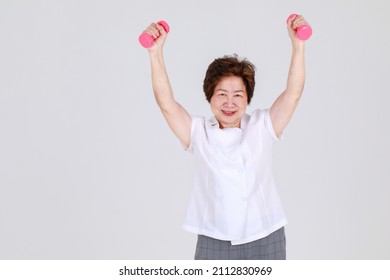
pixel 293 24
pixel 159 35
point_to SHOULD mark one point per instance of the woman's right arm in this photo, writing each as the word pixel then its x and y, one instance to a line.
pixel 176 116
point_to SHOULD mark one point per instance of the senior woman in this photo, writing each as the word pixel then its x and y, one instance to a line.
pixel 234 208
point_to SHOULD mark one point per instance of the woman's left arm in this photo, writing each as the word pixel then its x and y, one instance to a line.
pixel 284 106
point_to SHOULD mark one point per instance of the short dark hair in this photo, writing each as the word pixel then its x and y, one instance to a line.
pixel 227 66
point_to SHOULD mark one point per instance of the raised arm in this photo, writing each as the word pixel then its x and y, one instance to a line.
pixel 176 116
pixel 284 106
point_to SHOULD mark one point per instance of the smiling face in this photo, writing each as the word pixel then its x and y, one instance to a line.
pixel 229 101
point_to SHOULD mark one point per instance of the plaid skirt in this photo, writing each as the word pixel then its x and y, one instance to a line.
pixel 271 247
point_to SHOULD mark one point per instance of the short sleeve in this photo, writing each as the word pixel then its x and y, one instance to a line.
pixel 270 127
pixel 263 119
pixel 196 125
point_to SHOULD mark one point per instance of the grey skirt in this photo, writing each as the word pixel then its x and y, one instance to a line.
pixel 271 247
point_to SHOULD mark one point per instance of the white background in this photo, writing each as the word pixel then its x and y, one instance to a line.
pixel 90 170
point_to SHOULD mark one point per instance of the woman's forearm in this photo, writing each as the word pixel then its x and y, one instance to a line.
pixel 161 86
pixel 296 74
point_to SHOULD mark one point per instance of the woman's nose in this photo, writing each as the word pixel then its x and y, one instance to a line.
pixel 229 102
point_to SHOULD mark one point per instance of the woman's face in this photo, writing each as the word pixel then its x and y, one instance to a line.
pixel 229 101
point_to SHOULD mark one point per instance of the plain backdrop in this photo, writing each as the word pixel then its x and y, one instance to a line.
pixel 90 170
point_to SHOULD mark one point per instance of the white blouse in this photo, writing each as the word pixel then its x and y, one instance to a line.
pixel 234 195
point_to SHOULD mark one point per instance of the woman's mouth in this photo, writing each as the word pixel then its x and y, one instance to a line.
pixel 228 113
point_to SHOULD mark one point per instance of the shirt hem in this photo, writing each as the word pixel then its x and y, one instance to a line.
pixel 238 241
pixel 260 235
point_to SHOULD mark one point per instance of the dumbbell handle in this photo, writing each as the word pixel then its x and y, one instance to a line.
pixel 146 40
pixel 304 31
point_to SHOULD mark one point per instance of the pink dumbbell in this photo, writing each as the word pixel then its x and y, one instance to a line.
pixel 304 31
pixel 146 40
